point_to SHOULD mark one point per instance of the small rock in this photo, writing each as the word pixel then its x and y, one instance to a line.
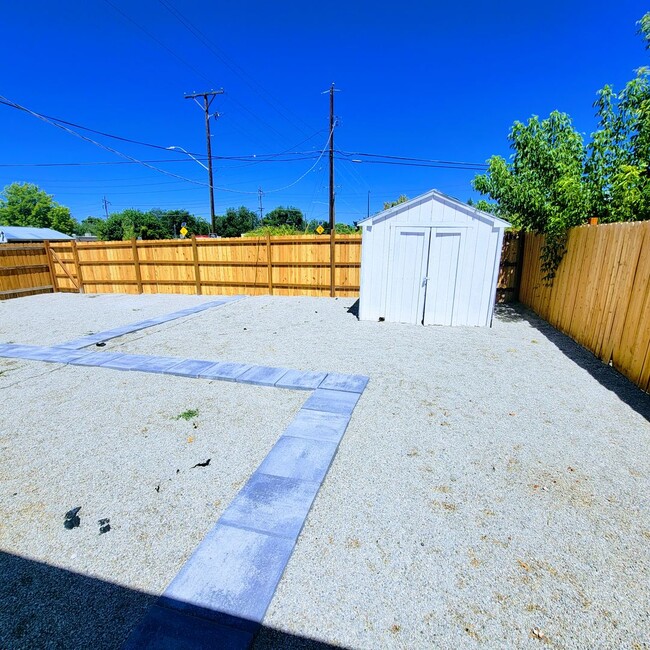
pixel 72 518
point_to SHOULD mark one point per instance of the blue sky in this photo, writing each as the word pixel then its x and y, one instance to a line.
pixel 441 81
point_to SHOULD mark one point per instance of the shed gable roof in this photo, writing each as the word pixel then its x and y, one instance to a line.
pixel 435 195
pixel 23 233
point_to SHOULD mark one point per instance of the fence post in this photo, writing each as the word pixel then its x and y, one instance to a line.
pixel 50 265
pixel 333 262
pixel 521 241
pixel 136 263
pixel 77 266
pixel 197 268
pixel 269 262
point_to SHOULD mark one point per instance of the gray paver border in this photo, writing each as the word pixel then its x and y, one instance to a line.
pixel 227 584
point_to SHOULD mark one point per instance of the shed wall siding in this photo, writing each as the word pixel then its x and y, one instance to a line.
pixel 478 258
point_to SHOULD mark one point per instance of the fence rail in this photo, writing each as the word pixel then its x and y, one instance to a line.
pixel 297 265
pixel 600 296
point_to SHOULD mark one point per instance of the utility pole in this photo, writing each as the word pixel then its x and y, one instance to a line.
pixel 106 203
pixel 368 203
pixel 259 196
pixel 332 206
pixel 208 98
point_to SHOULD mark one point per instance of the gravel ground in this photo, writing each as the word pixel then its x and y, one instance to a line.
pixel 112 443
pixel 50 319
pixel 491 489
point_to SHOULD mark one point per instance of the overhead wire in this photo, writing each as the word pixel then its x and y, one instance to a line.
pixel 41 117
pixel 177 56
pixel 97 144
pixel 350 154
pixel 232 65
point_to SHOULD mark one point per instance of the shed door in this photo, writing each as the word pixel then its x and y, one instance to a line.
pixel 406 273
pixel 442 278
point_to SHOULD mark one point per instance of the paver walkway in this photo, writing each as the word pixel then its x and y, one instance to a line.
pixel 220 596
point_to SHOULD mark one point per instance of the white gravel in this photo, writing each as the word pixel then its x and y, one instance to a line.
pixel 492 482
pixel 112 443
pixel 50 319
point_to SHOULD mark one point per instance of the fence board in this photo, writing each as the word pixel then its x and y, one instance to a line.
pixel 600 295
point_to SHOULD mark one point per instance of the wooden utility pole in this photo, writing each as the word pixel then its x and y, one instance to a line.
pixel 332 206
pixel 332 203
pixel 208 98
pixel 261 208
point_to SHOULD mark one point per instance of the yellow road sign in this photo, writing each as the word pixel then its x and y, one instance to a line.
pixel 184 231
pixel 320 230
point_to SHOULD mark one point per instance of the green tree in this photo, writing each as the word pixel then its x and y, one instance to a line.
pixel 236 222
pixel 148 226
pixel 541 190
pixel 483 205
pixel 402 198
pixel 172 221
pixel 112 228
pixel 90 225
pixel 617 173
pixel 555 182
pixel 282 216
pixel 132 223
pixel 24 204
pixel 62 220
pixel 644 29
pixel 347 229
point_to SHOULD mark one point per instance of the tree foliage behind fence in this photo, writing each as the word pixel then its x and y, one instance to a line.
pixel 600 296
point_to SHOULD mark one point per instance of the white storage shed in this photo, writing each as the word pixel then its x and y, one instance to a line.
pixel 432 260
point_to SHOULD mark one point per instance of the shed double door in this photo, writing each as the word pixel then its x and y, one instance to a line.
pixel 423 275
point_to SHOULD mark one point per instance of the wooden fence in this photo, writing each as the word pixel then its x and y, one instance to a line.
pixel 303 265
pixel 24 270
pixel 600 296
pixel 299 265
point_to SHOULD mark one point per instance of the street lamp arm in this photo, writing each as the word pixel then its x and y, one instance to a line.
pixel 189 154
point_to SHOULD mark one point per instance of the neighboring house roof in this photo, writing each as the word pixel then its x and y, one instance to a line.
pixel 435 195
pixel 23 234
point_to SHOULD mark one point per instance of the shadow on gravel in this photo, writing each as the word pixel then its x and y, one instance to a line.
pixel 44 606
pixel 354 308
pixel 608 377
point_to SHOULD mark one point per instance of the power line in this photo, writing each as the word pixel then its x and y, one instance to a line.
pixel 311 156
pixel 258 157
pixel 86 128
pixel 152 37
pixel 414 164
pixel 97 144
pixel 237 69
pixel 184 62
pixel 135 160
pixel 349 154
pixel 251 158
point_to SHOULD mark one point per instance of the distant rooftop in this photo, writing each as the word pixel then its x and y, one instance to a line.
pixel 10 234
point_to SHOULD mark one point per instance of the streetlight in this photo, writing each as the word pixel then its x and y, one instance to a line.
pixel 190 155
